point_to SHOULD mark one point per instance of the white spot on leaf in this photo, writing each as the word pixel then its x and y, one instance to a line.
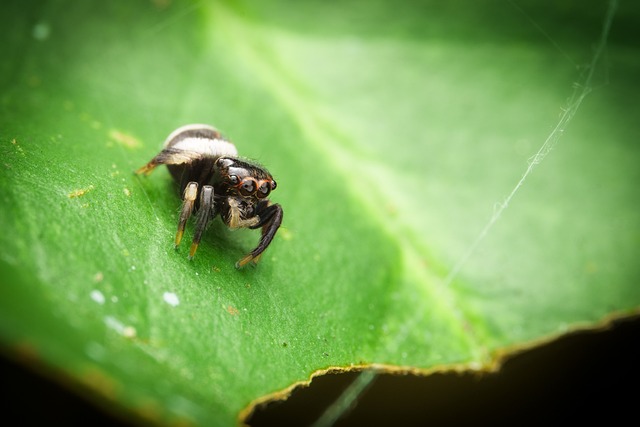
pixel 97 296
pixel 171 299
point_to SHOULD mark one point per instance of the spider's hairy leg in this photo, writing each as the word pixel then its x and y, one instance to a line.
pixel 188 200
pixel 169 156
pixel 249 258
pixel 146 169
pixel 205 212
pixel 270 220
pixel 161 158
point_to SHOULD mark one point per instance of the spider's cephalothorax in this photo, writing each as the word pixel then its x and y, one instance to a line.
pixel 213 180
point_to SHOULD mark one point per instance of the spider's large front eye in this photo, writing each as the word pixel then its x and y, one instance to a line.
pixel 248 186
pixel 233 180
pixel 264 189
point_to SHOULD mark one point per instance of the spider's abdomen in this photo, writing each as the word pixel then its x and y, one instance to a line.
pixel 193 150
pixel 203 140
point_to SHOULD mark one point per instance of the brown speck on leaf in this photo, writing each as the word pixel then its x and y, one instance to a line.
pixel 232 310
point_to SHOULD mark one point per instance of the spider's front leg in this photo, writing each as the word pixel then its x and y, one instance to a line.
pixel 269 218
pixel 206 211
pixel 168 156
pixel 188 200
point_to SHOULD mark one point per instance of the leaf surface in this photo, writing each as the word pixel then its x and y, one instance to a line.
pixel 395 134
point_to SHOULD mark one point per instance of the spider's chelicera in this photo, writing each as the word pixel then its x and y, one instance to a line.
pixel 214 180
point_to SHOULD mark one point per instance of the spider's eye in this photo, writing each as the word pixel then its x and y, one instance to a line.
pixel 248 187
pixel 264 189
pixel 233 180
pixel 273 185
pixel 223 162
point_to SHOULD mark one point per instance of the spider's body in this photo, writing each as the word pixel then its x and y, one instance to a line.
pixel 214 181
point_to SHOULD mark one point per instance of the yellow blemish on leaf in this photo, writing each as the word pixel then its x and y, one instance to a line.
pixel 127 192
pixel 96 379
pixel 232 310
pixel 285 234
pixel 18 148
pixel 125 139
pixel 129 332
pixel 34 81
pixel 161 4
pixel 591 267
pixel 81 192
pixel 150 410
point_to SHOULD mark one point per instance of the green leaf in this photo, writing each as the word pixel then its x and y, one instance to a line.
pixel 399 137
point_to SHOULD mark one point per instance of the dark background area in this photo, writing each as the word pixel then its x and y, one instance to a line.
pixel 587 376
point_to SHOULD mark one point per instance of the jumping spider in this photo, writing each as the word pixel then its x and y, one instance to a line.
pixel 214 180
